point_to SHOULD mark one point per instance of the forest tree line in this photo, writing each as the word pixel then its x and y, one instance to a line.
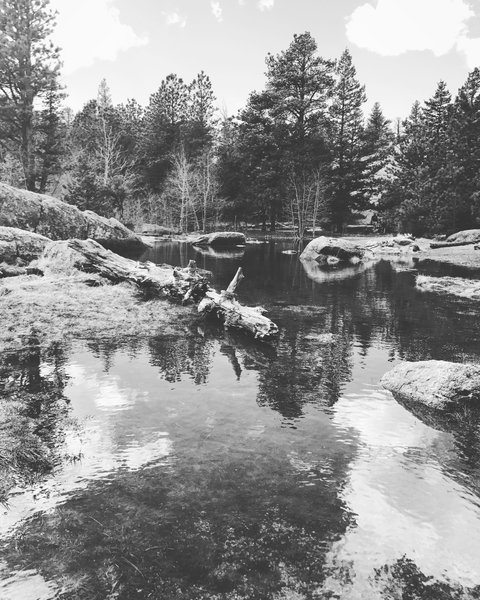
pixel 302 150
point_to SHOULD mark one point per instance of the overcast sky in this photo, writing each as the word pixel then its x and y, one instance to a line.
pixel 401 48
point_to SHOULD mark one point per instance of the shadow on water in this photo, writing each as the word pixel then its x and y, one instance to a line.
pixel 213 466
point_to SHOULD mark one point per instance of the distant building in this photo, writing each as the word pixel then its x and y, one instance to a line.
pixel 365 221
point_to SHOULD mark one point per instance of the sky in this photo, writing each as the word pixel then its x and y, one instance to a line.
pixel 400 48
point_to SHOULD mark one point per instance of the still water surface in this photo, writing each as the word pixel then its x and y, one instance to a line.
pixel 202 465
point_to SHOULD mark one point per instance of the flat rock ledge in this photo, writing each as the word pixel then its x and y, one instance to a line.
pixel 452 286
pixel 437 384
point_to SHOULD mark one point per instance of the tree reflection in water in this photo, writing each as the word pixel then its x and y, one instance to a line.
pixel 33 414
pixel 243 508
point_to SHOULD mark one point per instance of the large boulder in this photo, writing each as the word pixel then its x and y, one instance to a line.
pixel 19 247
pixel 220 239
pixel 321 248
pixel 436 384
pixel 468 236
pixel 57 220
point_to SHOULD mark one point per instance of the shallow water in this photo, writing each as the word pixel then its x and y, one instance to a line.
pixel 205 465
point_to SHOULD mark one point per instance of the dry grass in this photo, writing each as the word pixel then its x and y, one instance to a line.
pixel 58 309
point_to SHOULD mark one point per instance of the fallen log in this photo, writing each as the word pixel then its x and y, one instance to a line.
pixel 233 314
pixel 436 245
pixel 185 285
pixel 89 256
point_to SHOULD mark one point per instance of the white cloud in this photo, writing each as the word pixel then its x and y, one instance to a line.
pixel 393 27
pixel 266 4
pixel 174 18
pixel 470 47
pixel 91 30
pixel 216 10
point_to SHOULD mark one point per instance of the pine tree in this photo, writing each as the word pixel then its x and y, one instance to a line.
pixel 164 126
pixel 404 203
pixel 436 116
pixel 345 191
pixel 29 69
pixel 200 115
pixel 464 135
pixel 299 85
pixel 377 153
pixel 51 134
pixel 300 82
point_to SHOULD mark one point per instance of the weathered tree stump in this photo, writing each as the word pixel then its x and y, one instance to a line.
pixel 233 314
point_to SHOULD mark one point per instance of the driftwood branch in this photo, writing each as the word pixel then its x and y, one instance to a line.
pixel 235 281
pixel 233 314
pixel 185 285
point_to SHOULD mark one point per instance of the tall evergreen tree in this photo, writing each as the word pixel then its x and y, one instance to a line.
pixel 50 139
pixel 300 83
pixel 465 154
pixel 346 114
pixel 377 153
pixel 436 115
pixel 404 204
pixel 29 70
pixel 200 115
pixel 164 122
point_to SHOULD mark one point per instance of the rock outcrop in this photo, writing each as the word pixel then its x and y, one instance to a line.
pixel 321 248
pixel 468 236
pixel 19 247
pixel 461 238
pixel 57 220
pixel 436 384
pixel 220 239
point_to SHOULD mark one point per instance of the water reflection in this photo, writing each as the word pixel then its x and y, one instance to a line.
pixel 33 414
pixel 206 465
pixel 321 273
pixel 410 513
pixel 216 253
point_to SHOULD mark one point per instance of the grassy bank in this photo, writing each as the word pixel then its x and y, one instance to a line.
pixel 48 310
